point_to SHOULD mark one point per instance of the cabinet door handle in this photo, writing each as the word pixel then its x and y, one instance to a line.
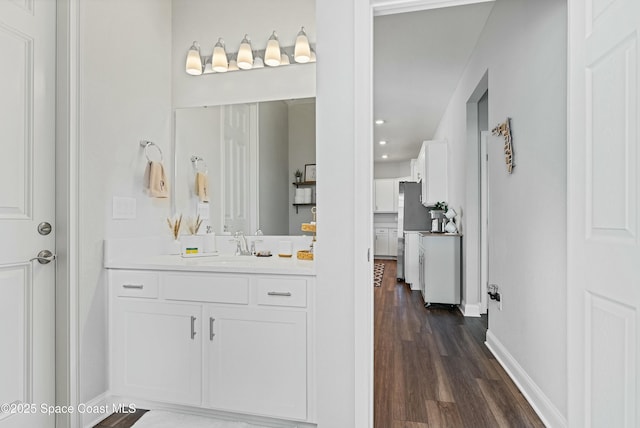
pixel 136 286
pixel 211 333
pixel 193 327
pixel 279 293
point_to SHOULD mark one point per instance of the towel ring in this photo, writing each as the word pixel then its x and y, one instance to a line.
pixel 197 159
pixel 146 144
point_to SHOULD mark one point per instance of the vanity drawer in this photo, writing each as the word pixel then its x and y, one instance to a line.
pixel 135 283
pixel 206 288
pixel 282 292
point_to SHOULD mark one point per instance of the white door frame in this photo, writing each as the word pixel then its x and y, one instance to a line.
pixel 67 192
pixel 364 12
pixel 484 220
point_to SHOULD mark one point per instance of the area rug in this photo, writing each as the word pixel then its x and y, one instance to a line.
pixel 378 272
pixel 162 419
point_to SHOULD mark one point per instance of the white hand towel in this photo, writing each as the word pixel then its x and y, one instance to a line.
pixel 156 181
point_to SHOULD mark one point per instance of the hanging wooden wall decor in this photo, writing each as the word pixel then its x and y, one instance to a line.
pixel 504 130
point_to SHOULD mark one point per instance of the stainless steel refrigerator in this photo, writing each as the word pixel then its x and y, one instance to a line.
pixel 412 215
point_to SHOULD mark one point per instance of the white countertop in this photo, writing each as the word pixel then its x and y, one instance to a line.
pixel 220 263
pixel 427 233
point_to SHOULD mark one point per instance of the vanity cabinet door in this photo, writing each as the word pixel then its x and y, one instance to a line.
pixel 157 351
pixel 256 361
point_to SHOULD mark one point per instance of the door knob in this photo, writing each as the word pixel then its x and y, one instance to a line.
pixel 44 257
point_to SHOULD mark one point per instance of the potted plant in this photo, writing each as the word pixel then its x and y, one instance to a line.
pixel 298 175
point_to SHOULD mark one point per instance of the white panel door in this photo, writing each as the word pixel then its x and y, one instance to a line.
pixel 240 168
pixel 27 140
pixel 603 194
pixel 257 361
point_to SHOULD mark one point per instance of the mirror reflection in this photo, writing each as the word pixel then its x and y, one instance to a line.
pixel 248 155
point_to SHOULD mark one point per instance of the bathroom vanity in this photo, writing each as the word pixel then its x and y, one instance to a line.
pixel 226 333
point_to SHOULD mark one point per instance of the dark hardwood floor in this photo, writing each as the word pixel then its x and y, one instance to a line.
pixel 121 420
pixel 432 368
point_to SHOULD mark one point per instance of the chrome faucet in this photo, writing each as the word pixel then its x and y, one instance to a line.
pixel 242 248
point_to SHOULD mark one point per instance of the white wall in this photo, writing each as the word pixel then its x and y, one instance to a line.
pixel 302 151
pixel 274 182
pixel 205 20
pixel 125 96
pixel 392 169
pixel 523 47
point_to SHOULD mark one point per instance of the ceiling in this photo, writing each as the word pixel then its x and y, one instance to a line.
pixel 419 58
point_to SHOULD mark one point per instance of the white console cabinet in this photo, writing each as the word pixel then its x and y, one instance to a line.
pixel 230 342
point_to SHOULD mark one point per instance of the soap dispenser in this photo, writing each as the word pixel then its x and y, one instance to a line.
pixel 210 241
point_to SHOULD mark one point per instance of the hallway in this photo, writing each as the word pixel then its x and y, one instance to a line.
pixel 432 368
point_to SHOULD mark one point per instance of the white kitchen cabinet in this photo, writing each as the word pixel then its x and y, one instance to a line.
pixel 221 341
pixel 381 239
pixel 411 262
pixel 157 348
pixel 393 242
pixel 257 361
pixel 385 195
pixel 420 165
pixel 441 282
pixel 435 179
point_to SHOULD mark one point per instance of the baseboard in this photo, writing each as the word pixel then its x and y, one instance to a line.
pixel 211 413
pixel 89 417
pixel 548 413
pixel 469 310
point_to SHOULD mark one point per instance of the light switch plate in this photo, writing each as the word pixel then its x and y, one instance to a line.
pixel 124 208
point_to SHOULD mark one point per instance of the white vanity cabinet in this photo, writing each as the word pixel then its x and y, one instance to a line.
pixel 228 342
pixel 157 351
pixel 256 361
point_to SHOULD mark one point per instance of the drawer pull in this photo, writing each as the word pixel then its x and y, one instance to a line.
pixel 193 327
pixel 211 333
pixel 279 293
pixel 135 286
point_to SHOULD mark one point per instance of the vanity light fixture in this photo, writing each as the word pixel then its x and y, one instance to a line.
pixel 272 55
pixel 302 50
pixel 194 61
pixel 284 59
pixel 245 54
pixel 258 62
pixel 219 59
pixel 246 58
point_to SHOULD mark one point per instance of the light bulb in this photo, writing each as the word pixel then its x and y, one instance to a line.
pixel 284 59
pixel 245 55
pixel 272 53
pixel 194 62
pixel 219 59
pixel 302 50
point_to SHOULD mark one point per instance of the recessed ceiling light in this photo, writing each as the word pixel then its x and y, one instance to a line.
pixel 385 156
pixel 379 122
pixel 382 143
